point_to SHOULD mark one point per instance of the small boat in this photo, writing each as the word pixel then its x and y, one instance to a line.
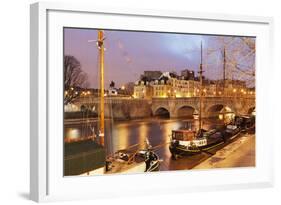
pixel 126 161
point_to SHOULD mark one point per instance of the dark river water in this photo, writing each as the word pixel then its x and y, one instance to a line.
pixel 122 134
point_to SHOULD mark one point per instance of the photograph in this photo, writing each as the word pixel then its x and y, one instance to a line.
pixel 147 101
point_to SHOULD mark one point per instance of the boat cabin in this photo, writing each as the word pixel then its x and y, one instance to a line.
pixel 183 135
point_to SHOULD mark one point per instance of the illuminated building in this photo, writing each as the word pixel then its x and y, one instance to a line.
pixel 169 84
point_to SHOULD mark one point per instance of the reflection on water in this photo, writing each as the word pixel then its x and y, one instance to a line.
pixel 120 135
pixel 72 133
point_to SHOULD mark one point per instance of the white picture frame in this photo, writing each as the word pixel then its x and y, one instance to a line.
pixel 46 179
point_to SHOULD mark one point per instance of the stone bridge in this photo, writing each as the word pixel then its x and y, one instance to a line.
pixel 128 108
pixel 118 107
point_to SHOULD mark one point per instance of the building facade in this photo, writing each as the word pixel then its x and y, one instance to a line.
pixel 187 85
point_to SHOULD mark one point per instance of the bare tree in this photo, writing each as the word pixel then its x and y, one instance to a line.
pixel 240 57
pixel 74 79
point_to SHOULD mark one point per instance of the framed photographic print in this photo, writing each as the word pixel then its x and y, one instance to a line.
pixel 168 101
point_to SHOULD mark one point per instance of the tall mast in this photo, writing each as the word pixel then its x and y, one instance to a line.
pixel 224 63
pixel 101 68
pixel 201 85
pixel 224 67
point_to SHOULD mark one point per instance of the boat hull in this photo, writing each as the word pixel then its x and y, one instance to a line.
pixel 179 150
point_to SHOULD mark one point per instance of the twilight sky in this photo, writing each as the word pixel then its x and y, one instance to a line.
pixel 129 53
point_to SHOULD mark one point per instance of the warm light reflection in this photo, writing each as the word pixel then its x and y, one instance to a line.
pixel 121 137
pixel 72 133
pixel 143 131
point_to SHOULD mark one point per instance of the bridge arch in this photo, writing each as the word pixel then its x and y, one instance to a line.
pixel 186 111
pixel 220 111
pixel 162 112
